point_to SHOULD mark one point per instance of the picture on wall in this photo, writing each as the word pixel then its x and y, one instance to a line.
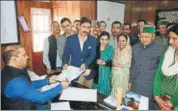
pixel 9 23
pixel 170 14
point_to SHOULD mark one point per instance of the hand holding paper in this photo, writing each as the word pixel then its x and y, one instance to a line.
pixel 87 72
pixel 53 79
pixel 64 84
pixel 70 73
pixel 82 67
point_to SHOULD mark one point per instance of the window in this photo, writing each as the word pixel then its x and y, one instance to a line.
pixel 41 19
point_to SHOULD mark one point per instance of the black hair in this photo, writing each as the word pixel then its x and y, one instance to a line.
pixel 7 55
pixel 169 24
pixel 142 20
pixel 128 25
pixel 174 29
pixel 65 19
pixel 54 22
pixel 103 22
pixel 116 22
pixel 85 20
pixel 120 36
pixel 104 33
pixel 76 21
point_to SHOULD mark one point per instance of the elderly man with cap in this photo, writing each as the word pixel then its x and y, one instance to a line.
pixel 162 37
pixel 145 59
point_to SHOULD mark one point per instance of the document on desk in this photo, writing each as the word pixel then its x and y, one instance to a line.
pixel 79 94
pixel 110 100
pixel 70 73
pixel 34 76
pixel 144 103
pixel 60 106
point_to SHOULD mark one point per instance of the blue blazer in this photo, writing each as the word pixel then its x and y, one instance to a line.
pixel 78 57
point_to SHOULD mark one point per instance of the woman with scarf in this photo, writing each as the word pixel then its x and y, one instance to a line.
pixel 121 65
pixel 165 88
pixel 103 64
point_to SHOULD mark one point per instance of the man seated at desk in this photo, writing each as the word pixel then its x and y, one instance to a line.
pixel 18 91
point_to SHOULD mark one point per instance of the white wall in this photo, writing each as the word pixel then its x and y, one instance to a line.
pixel 109 12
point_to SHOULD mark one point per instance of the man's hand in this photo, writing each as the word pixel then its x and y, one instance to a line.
pixel 160 102
pixel 64 84
pixel 49 71
pixel 65 66
pixel 82 67
pixel 87 72
pixel 53 79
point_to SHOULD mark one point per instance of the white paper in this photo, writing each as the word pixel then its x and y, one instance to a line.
pixel 60 106
pixel 48 87
pixel 23 23
pixel 34 76
pixel 70 73
pixel 144 103
pixel 110 100
pixel 9 25
pixel 79 94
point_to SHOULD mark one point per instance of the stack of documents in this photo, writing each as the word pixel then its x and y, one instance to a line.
pixel 70 73
pixel 79 94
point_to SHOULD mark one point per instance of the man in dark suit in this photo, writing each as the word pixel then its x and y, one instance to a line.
pixel 81 48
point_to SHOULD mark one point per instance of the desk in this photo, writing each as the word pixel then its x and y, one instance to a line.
pixel 77 105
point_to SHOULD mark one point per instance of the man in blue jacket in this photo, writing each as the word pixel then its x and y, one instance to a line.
pixel 18 92
pixel 81 48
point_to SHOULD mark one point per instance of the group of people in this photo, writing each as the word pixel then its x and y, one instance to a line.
pixel 145 63
pixel 119 59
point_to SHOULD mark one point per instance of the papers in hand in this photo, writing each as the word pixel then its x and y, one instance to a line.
pixel 60 106
pixel 79 94
pixel 70 73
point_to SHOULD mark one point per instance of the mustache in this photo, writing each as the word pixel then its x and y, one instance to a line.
pixel 85 32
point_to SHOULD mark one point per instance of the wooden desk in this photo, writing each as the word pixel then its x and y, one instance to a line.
pixel 77 105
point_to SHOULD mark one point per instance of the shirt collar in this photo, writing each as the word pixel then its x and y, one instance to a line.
pixel 84 39
pixel 147 46
pixel 14 69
